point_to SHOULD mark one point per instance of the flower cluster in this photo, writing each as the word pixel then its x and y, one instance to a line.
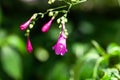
pixel 28 24
pixel 60 46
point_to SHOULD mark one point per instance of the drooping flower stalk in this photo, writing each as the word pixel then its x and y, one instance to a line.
pixel 25 25
pixel 46 26
pixel 60 46
pixel 29 45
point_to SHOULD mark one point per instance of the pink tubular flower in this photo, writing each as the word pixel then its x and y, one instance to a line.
pixel 29 46
pixel 25 25
pixel 60 46
pixel 46 27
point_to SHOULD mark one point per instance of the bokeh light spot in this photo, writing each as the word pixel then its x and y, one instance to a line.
pixel 41 54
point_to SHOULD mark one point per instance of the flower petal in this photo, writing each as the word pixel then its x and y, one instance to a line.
pixel 25 25
pixel 29 46
pixel 46 27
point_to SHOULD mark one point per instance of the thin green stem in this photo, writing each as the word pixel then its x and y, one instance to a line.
pixel 69 7
pixel 79 2
pixel 98 48
pixel 65 2
pixel 56 8
pixel 96 67
pixel 68 10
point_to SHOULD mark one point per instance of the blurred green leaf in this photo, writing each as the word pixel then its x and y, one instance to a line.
pixel 98 48
pixel 111 74
pixel 90 79
pixel 106 77
pixel 86 27
pixel 16 42
pixel 59 72
pixel 105 62
pixel 84 68
pixel 11 62
pixel 113 48
pixel 2 37
pixel 0 16
pixel 41 54
pixel 79 49
pixel 53 31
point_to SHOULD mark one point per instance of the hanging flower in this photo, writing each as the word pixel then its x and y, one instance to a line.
pixel 25 25
pixel 46 27
pixel 29 46
pixel 60 46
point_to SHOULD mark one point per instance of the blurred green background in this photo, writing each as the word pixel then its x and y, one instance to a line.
pixel 93 20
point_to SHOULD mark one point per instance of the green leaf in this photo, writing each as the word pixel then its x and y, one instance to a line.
pixel 111 74
pixel 59 72
pixel 16 42
pixel 84 69
pixel 113 48
pixel 11 62
pixel 79 49
pixel 0 16
pixel 2 37
pixel 98 48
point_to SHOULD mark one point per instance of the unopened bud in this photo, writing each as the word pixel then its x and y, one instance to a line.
pixel 58 20
pixel 50 13
pixel 31 26
pixel 65 30
pixel 28 31
pixel 60 26
pixel 73 0
pixel 34 16
pixel 66 33
pixel 42 15
pixel 26 34
pixel 56 12
pixel 49 2
pixel 65 20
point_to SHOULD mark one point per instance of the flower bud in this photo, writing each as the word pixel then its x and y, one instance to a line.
pixel 29 46
pixel 46 27
pixel 25 25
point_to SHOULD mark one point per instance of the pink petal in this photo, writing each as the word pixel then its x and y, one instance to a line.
pixel 46 27
pixel 25 25
pixel 29 46
pixel 60 46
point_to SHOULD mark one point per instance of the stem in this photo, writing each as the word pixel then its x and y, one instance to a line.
pixel 56 8
pixel 98 48
pixel 65 2
pixel 79 2
pixel 69 7
pixel 96 67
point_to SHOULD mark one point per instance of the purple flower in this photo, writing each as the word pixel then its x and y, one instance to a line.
pixel 46 27
pixel 60 46
pixel 25 25
pixel 29 46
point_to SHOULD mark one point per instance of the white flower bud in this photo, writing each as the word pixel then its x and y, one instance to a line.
pixel 65 20
pixel 66 33
pixel 49 2
pixel 50 13
pixel 73 0
pixel 34 16
pixel 60 26
pixel 27 30
pixel 26 34
pixel 58 20
pixel 31 26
